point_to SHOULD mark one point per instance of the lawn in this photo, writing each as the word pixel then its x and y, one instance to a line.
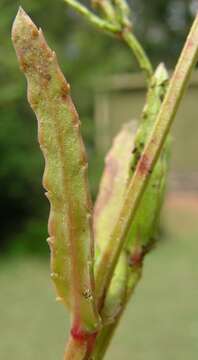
pixel 161 322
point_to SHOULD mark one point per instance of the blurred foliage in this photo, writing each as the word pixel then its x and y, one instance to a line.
pixel 85 56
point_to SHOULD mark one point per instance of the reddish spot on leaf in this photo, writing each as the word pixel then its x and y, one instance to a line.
pixel 144 165
pixel 190 44
pixel 137 256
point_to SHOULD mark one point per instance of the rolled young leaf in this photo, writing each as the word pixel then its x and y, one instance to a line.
pixel 65 176
pixel 120 164
pixel 147 216
pixel 155 95
pixel 124 153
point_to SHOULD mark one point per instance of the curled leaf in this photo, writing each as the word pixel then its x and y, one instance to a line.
pixel 147 217
pixel 120 165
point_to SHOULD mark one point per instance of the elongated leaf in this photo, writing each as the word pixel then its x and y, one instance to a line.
pixel 120 164
pixel 113 184
pixel 106 212
pixel 157 90
pixel 147 216
pixel 119 167
pixel 65 177
pixel 146 219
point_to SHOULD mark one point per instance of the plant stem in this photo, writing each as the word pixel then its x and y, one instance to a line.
pixel 107 333
pixel 138 51
pixel 147 161
pixel 75 350
pixel 123 11
pixel 118 29
pixel 95 20
pixel 106 8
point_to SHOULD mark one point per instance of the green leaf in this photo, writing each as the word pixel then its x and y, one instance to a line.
pixel 146 219
pixel 117 292
pixel 65 177
pixel 120 165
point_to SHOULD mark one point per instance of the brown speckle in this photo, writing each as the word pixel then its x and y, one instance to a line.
pixel 21 54
pixel 65 88
pixel 144 165
pixel 64 97
pixel 48 77
pixel 136 257
pixel 23 65
pixel 34 33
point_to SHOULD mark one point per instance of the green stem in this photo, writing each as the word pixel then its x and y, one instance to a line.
pixel 107 333
pixel 147 161
pixel 138 51
pixel 95 20
pixel 106 8
pixel 119 30
pixel 104 340
pixel 123 11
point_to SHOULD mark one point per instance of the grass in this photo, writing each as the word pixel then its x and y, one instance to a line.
pixel 161 322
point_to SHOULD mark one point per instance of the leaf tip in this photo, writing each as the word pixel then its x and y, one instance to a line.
pixel 23 27
pixel 161 73
pixel 21 11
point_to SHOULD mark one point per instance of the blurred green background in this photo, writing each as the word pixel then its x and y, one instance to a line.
pixel 163 323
